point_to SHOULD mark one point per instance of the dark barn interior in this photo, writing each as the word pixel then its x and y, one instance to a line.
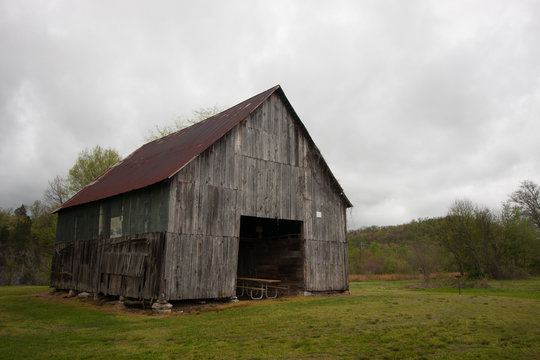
pixel 272 249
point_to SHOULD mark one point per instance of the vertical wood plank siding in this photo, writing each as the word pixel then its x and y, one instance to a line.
pixel 129 266
pixel 89 256
pixel 263 167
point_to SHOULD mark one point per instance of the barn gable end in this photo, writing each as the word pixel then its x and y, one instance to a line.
pixel 264 168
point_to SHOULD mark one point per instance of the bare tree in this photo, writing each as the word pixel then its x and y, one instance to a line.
pixel 57 193
pixel 527 198
pixel 182 122
pixel 424 257
pixel 425 254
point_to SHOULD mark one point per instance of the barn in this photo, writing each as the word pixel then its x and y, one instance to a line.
pixel 244 193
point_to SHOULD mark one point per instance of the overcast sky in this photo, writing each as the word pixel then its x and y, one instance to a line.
pixel 413 104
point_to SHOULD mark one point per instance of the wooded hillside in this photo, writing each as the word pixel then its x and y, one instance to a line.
pixel 478 241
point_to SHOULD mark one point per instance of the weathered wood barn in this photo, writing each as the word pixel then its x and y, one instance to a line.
pixel 244 193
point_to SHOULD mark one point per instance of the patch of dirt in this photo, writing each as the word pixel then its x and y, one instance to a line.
pixel 184 307
pixel 107 303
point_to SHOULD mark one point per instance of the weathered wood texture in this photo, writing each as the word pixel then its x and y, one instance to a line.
pixel 264 167
pixel 200 267
pixel 135 212
pixel 326 266
pixel 326 249
pixel 129 266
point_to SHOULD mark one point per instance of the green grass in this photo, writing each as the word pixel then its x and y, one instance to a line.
pixel 382 319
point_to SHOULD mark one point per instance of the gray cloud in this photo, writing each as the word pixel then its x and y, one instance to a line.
pixel 412 104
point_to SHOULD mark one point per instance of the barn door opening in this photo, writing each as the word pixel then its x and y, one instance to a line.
pixel 272 249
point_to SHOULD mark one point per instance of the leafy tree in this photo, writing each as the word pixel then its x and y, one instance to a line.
pixel 519 246
pixel 89 165
pixel 527 198
pixel 22 225
pixel 181 123
pixel 485 243
pixel 487 237
pixel 471 232
pixel 456 236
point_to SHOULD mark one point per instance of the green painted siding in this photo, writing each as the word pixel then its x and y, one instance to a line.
pixel 137 212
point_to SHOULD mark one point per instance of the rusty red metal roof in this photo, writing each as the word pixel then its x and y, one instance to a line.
pixel 162 158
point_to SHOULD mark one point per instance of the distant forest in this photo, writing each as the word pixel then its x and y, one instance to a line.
pixel 473 240
pixel 26 244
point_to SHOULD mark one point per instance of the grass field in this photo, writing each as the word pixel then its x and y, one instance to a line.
pixel 381 319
